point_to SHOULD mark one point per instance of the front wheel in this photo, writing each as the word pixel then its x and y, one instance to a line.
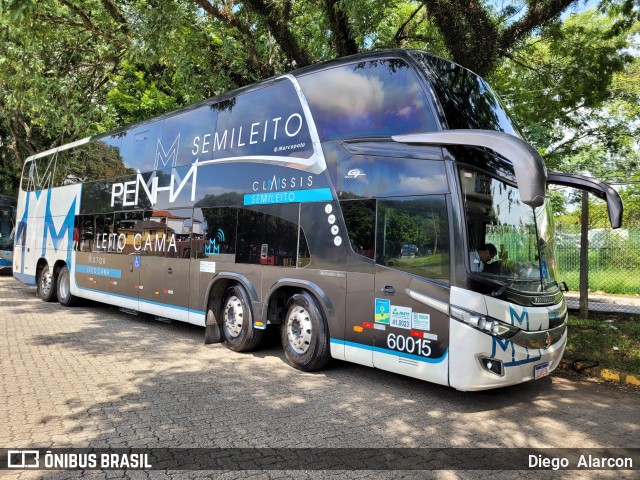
pixel 65 297
pixel 304 334
pixel 47 284
pixel 238 333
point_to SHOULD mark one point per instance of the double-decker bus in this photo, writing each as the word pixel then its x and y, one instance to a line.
pixel 7 216
pixel 339 203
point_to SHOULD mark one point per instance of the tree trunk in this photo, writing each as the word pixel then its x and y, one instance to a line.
pixel 584 256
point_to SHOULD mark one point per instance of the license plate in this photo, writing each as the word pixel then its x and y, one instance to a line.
pixel 541 370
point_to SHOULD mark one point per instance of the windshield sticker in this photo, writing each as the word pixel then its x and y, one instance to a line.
pixel 543 269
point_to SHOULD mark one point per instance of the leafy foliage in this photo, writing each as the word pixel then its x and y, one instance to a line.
pixel 71 68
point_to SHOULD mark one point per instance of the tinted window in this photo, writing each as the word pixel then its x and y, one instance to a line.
pixel 6 225
pixel 466 99
pixel 266 239
pixel 374 176
pixel 128 227
pixel 360 219
pixel 413 236
pixel 379 97
pixel 141 147
pixel 86 232
pixel 103 240
pixel 268 235
pixel 269 121
pixel 218 234
pixel 91 161
pixel 179 225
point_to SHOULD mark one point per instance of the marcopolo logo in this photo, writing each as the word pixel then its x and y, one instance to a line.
pixel 355 173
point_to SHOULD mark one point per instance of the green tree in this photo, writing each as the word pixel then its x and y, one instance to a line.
pixel 71 68
pixel 569 88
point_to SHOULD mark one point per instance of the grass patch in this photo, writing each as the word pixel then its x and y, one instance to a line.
pixel 615 281
pixel 594 339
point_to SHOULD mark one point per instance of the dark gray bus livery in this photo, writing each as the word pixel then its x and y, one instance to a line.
pixel 339 203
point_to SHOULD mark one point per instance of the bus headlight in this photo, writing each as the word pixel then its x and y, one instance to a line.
pixel 484 323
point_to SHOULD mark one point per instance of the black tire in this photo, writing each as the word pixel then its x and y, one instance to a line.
pixel 47 285
pixel 65 297
pixel 212 333
pixel 236 321
pixel 304 334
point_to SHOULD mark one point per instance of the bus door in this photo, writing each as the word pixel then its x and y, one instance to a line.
pixel 360 219
pixel 164 263
pixel 411 331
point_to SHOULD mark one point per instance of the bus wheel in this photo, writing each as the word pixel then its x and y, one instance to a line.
pixel 47 284
pixel 304 334
pixel 64 288
pixel 237 324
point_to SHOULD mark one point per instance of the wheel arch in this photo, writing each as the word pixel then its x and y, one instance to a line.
pixel 40 264
pixel 222 281
pixel 57 266
pixel 285 288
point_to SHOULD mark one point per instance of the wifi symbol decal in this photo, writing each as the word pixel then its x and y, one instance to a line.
pixel 213 247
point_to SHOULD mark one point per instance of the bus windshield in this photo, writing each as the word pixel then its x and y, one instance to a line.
pixel 519 238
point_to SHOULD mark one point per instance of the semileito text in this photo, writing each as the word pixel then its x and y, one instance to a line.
pixel 257 132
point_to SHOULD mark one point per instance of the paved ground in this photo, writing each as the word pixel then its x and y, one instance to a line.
pixel 606 303
pixel 91 376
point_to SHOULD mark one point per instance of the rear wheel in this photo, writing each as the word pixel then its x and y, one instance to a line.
pixel 304 334
pixel 47 284
pixel 238 333
pixel 65 297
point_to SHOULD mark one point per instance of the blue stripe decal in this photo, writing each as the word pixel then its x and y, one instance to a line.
pixel 99 271
pixel 141 300
pixel 522 362
pixel 4 262
pixel 26 279
pixel 389 352
pixel 292 196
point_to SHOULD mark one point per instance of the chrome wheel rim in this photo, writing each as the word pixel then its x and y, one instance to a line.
pixel 299 329
pixel 233 317
pixel 64 287
pixel 45 284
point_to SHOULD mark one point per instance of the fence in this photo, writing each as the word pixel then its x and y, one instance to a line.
pixel 614 267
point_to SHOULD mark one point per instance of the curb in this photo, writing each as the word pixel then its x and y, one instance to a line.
pixel 609 374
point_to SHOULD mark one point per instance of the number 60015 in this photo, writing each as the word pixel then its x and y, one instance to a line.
pixel 416 346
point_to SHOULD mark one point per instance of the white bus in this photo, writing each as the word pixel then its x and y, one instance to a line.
pixel 339 203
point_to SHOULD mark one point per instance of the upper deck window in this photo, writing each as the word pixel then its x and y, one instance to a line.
pixel 466 99
pixel 372 98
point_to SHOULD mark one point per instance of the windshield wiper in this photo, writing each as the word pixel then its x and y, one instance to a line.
pixel 499 291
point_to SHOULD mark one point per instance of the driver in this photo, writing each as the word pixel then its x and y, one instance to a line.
pixel 482 256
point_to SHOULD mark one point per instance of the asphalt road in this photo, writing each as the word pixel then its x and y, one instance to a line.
pixel 92 376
